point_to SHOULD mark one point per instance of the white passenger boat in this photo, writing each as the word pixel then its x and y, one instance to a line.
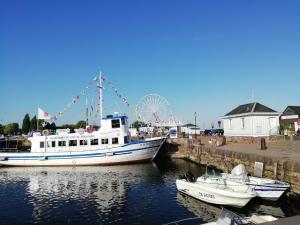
pixel 265 188
pixel 215 190
pixel 111 144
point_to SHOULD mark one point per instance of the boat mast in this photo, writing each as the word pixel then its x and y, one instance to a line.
pixel 86 112
pixel 37 120
pixel 100 96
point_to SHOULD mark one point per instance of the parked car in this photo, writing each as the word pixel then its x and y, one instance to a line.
pixel 214 131
pixel 207 132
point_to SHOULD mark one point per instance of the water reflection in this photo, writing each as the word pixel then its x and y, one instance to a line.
pixel 101 190
pixel 201 209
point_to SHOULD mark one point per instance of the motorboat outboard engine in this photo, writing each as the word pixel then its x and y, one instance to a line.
pixel 188 176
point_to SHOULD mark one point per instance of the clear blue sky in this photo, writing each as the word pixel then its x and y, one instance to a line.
pixel 203 56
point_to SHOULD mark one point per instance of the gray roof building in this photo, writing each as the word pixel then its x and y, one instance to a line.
pixel 254 107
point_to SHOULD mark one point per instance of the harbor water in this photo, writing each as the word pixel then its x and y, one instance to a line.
pixel 127 194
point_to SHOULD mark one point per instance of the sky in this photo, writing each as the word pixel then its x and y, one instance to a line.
pixel 202 56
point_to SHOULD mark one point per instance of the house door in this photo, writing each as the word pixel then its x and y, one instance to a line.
pixel 273 125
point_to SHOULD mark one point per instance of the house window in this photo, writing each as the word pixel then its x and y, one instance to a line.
pixel 115 123
pixel 62 143
pixel 73 143
pixel 126 139
pixel 243 123
pixel 115 141
pixel 104 141
pixel 42 144
pixel 83 142
pixel 229 124
pixel 94 142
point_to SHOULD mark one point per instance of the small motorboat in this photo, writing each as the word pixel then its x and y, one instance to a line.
pixel 228 217
pixel 265 188
pixel 215 190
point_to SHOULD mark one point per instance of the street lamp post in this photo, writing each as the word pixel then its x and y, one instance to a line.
pixel 195 126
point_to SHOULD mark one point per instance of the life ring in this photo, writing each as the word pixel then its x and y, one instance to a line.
pixel 45 132
pixel 81 131
pixel 89 129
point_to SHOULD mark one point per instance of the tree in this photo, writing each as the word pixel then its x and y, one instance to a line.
pixel 137 124
pixel 1 129
pixel 26 124
pixel 33 123
pixel 65 126
pixel 80 124
pixel 11 128
pixel 50 126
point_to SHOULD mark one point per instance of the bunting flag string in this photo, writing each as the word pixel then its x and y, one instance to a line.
pixel 115 90
pixel 83 92
pixel 75 99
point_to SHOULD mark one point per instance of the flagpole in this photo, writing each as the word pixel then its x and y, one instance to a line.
pixel 37 120
pixel 100 96
pixel 87 111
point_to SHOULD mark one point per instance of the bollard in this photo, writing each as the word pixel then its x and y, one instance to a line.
pixel 263 145
pixel 224 140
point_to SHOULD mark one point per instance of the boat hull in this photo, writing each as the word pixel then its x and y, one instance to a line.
pixel 267 190
pixel 130 153
pixel 210 195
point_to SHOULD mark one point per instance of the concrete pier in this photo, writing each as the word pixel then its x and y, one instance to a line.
pixel 294 220
pixel 280 161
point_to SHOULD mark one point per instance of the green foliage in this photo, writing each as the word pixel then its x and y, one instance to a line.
pixel 137 124
pixel 1 129
pixel 65 126
pixel 26 124
pixel 287 126
pixel 33 123
pixel 80 124
pixel 49 126
pixel 11 128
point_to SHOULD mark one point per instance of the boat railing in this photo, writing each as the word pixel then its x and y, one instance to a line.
pixel 184 221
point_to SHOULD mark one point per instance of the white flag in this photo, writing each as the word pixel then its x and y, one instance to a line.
pixel 42 115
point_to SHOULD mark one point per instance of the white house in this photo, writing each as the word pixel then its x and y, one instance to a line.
pixel 253 120
pixel 190 129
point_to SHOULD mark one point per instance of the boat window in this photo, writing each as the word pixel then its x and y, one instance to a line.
pixel 42 144
pixel 124 121
pixel 83 142
pixel 126 139
pixel 94 142
pixel 115 123
pixel 62 143
pixel 73 143
pixel 51 144
pixel 115 141
pixel 104 141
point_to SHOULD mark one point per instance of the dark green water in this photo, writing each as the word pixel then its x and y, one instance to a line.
pixel 129 194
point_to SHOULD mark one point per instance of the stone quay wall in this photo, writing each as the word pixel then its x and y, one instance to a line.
pixel 225 160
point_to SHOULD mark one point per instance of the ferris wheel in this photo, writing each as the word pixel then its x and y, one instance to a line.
pixel 153 109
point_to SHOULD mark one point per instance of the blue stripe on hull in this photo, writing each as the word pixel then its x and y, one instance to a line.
pixel 270 189
pixel 77 155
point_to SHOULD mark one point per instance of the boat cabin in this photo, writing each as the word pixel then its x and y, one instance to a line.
pixel 114 132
